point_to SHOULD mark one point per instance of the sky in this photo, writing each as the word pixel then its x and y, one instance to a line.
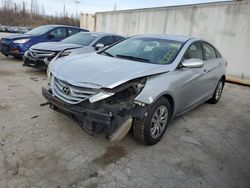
pixel 53 7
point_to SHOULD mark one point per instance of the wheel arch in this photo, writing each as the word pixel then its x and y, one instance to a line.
pixel 171 101
pixel 224 78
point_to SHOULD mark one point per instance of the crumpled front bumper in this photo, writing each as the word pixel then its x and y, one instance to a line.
pixel 91 121
pixel 39 64
pixel 35 62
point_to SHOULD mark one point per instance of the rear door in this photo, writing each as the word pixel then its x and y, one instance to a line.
pixel 106 40
pixel 117 38
pixel 72 31
pixel 212 64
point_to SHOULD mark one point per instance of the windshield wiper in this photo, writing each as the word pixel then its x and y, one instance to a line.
pixel 133 58
pixel 108 54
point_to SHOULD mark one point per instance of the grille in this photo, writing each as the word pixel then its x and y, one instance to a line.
pixel 41 54
pixel 4 47
pixel 69 93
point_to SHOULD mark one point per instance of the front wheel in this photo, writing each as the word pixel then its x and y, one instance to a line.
pixel 150 129
pixel 217 92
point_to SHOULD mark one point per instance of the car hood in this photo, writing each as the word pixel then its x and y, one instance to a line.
pixel 82 50
pixel 55 46
pixel 96 71
pixel 19 36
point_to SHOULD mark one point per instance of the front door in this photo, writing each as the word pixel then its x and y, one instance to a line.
pixel 57 34
pixel 191 84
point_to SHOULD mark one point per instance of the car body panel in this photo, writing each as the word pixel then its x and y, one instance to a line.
pixel 79 68
pixel 184 84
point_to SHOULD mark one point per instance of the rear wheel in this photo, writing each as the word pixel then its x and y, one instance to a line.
pixel 150 129
pixel 217 92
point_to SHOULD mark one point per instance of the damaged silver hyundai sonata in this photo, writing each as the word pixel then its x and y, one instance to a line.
pixel 142 83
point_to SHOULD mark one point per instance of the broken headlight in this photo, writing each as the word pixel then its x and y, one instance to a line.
pixel 123 92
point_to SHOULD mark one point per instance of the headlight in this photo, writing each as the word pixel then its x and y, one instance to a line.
pixel 123 92
pixel 65 53
pixel 26 53
pixel 21 41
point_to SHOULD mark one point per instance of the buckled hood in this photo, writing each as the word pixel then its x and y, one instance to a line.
pixel 100 70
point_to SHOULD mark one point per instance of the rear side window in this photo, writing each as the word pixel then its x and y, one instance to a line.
pixel 194 52
pixel 117 38
pixel 59 33
pixel 72 31
pixel 209 51
pixel 107 40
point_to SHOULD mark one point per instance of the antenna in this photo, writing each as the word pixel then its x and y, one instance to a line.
pixel 76 2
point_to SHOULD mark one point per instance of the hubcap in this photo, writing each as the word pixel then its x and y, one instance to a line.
pixel 218 90
pixel 159 121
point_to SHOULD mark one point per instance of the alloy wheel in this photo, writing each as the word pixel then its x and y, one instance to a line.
pixel 159 121
pixel 218 90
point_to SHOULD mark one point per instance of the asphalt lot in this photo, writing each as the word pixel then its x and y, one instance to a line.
pixel 207 147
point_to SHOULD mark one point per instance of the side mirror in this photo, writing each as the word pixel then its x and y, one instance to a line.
pixel 51 36
pixel 99 46
pixel 193 63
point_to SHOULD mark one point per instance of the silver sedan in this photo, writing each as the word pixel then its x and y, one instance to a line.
pixel 142 83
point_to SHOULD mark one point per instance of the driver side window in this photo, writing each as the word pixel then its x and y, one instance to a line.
pixel 58 33
pixel 107 40
pixel 194 52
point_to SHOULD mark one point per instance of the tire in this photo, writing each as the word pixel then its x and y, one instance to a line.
pixel 217 93
pixel 150 129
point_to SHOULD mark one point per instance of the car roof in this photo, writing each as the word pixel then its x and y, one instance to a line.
pixel 60 25
pixel 179 38
pixel 101 34
pixel 68 26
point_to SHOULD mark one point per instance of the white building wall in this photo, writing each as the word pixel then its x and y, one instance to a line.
pixel 87 21
pixel 226 25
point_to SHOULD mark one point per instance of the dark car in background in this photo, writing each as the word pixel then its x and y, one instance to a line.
pixel 40 55
pixel 3 28
pixel 16 45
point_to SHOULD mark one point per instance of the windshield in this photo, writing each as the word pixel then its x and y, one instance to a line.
pixel 81 38
pixel 145 49
pixel 40 30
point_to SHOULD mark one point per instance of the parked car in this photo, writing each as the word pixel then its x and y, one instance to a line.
pixel 142 82
pixel 3 28
pixel 25 29
pixel 40 55
pixel 13 29
pixel 16 45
